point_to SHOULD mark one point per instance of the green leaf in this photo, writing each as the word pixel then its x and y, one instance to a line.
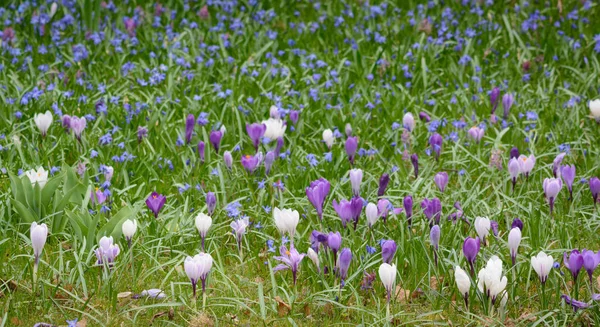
pixel 16 184
pixel 49 188
pixel 27 216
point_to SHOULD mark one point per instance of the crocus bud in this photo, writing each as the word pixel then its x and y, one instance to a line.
pixel 279 146
pixel 38 235
pixel 568 175
pixel 463 283
pixel 314 257
pixel 328 138
pixel 348 130
pixel 215 139
pixel 351 146
pixel 514 239
pixel 269 159
pixel 514 152
pixel 387 274
pixel 434 237
pixel 513 169
pixel 542 264
pixel 53 8
pixel 344 263
pixel 78 125
pixel 129 228
pixel 595 188
pixel 424 117
pixel 408 208
pixel 228 159
pixel 551 188
pixel 517 223
pixel 507 102
pixel 108 173
pixel 414 159
pixel 409 121
pixel 189 127
pixel 383 183
pixel 356 176
pixel 441 180
pixel 294 115
pixel 274 112
pixel 201 149
pixel 574 263
pixel 482 226
pixel 203 223
pixel 471 247
pixel 494 98
pixel 388 250
pixel 256 131
pixel 371 213
pixel 556 163
pixel 211 202
pixel 595 109
pixel 435 141
pixel 476 133
pixel 43 122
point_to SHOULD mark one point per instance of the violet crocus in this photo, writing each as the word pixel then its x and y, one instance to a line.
pixel 590 262
pixel 98 197
pixel 201 151
pixel 256 131
pixel 574 262
pixel 595 188
pixel 228 159
pixel 414 159
pixel 334 242
pixel 78 125
pixel 383 208
pixel 514 152
pixel 351 146
pixel 107 251
pixel 356 176
pixel 317 193
pixel 424 116
pixel 239 229
pixel 348 210
pixel 435 141
pixel 383 183
pixel 513 169
pixel 568 175
pixel 388 250
pixel 291 260
pixel 294 115
pixel 574 303
pixel 343 264
pixel 155 202
pixel 434 237
pixel 250 163
pixel 66 123
pixel 432 210
pixel 494 97
pixel 211 203
pixel 408 208
pixel 142 132
pixel 556 163
pixel 316 238
pixel 551 188
pixel 279 146
pixel 471 248
pixel 476 133
pixel 269 159
pixel 215 139
pixel 190 121
pixel 517 223
pixel 507 101
pixel 441 180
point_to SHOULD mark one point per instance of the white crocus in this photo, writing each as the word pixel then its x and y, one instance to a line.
pixel 129 228
pixel 356 176
pixel 275 128
pixel 203 223
pixel 409 121
pixel 463 283
pixel 38 235
pixel 542 264
pixel 286 221
pixel 328 138
pixel 387 274
pixel 595 109
pixel 482 227
pixel 372 214
pixel 43 121
pixel 514 240
pixel 39 176
pixel 490 280
pixel 314 257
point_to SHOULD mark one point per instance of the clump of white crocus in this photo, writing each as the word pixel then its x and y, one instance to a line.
pixel 286 221
pixel 490 280
pixel 39 176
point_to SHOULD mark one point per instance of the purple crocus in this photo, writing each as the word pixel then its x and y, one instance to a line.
pixel 256 131
pixel 574 262
pixel 556 163
pixel 228 159
pixel 190 121
pixel 435 141
pixel 383 183
pixel 568 176
pixel 432 210
pixel 78 125
pixel 494 97
pixel 294 115
pixel 408 208
pixel 334 242
pixel 317 193
pixel 590 262
pixel 434 236
pixel 317 238
pixel 388 250
pixel 155 202
pixel 291 260
pixel 514 169
pixel 551 188
pixel 414 159
pixel 142 132
pixel 239 229
pixel 211 203
pixel 383 208
pixel 98 197
pixel 424 116
pixel 269 159
pixel 351 146
pixel 344 263
pixel 250 163
pixel 517 223
pixel 574 303
pixel 441 180
pixel 514 153
pixel 215 139
pixel 201 150
pixel 349 210
pixel 66 123
pixel 595 188
pixel 507 101
pixel 470 249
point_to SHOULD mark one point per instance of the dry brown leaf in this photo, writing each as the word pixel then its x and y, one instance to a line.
pixel 123 295
pixel 402 295
pixel 201 320
pixel 560 7
pixel 82 323
pixel 306 310
pixel 282 307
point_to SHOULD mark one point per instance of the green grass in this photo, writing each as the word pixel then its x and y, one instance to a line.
pixel 244 290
